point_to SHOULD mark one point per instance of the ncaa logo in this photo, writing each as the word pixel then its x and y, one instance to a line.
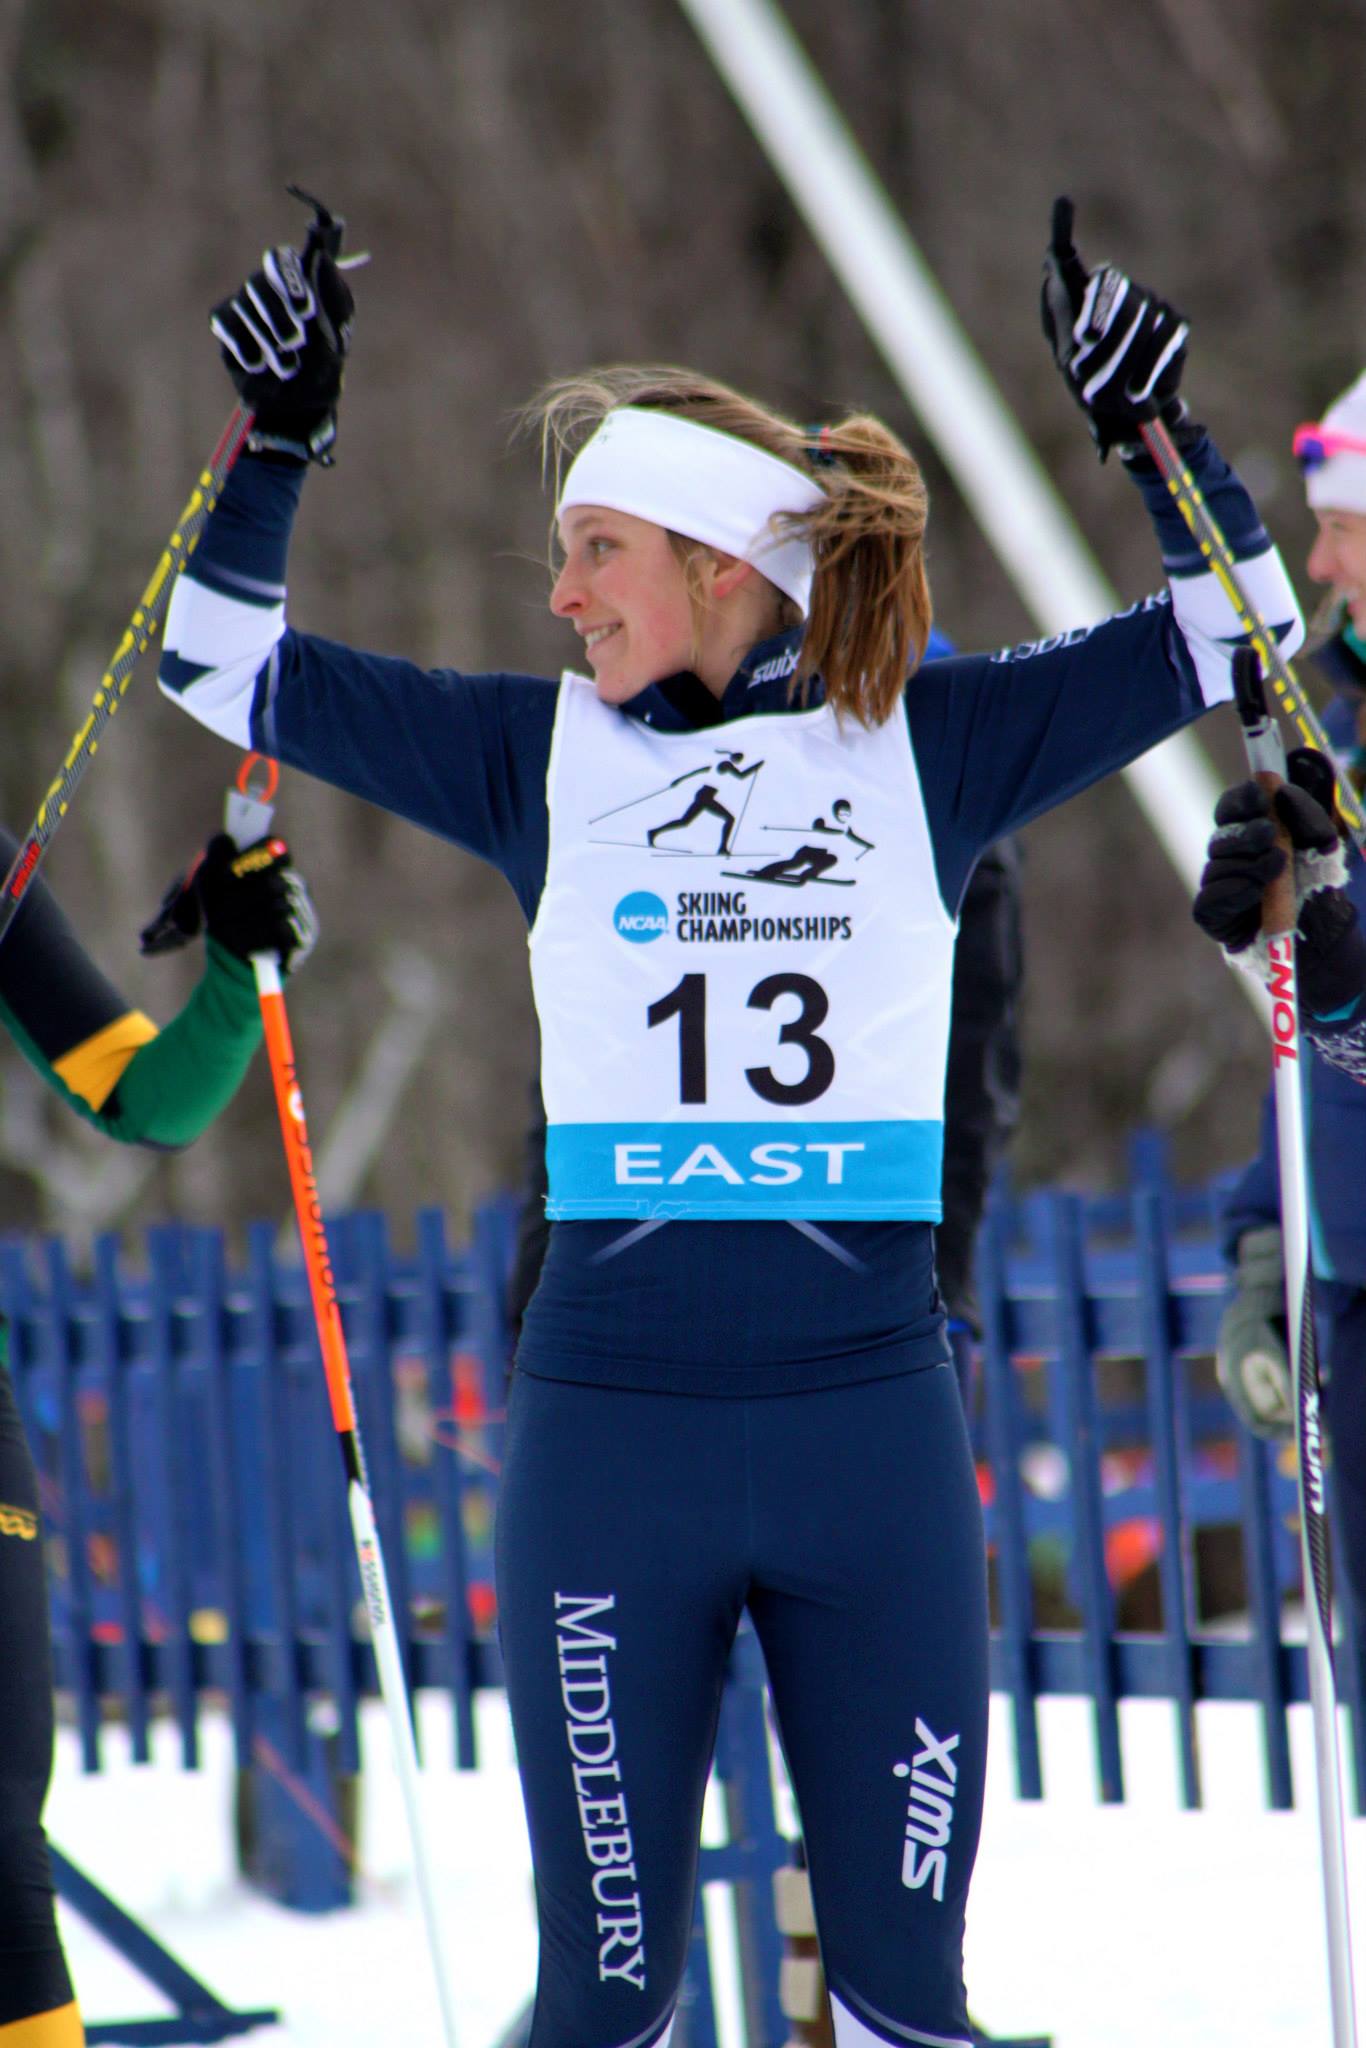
pixel 640 917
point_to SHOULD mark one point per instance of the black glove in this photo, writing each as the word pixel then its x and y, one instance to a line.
pixel 284 337
pixel 1330 952
pixel 1244 858
pixel 254 901
pixel 1120 347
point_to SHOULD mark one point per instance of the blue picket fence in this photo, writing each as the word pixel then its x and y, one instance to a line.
pixel 201 1553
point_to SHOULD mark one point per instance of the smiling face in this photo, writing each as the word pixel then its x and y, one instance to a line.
pixel 1338 556
pixel 624 591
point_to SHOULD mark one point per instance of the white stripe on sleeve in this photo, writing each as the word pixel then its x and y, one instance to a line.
pixel 1211 628
pixel 231 642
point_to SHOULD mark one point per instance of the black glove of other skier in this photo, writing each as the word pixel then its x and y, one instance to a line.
pixel 1244 859
pixel 284 337
pixel 1120 348
pixel 253 901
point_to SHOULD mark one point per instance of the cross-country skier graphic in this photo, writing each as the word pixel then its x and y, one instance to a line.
pixel 620 827
pixel 811 863
pixel 705 801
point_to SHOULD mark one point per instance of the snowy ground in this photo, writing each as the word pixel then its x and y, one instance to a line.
pixel 1125 1927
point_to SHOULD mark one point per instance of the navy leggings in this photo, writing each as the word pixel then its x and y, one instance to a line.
pixel 633 1528
pixel 33 1975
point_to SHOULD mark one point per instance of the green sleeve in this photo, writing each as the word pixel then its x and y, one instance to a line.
pixel 175 1085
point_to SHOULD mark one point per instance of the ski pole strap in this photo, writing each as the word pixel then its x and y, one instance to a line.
pixel 138 635
pixel 1205 530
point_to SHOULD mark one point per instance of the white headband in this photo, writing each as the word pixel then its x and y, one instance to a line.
pixel 699 482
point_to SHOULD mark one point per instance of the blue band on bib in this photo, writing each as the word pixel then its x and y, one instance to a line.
pixel 884 1171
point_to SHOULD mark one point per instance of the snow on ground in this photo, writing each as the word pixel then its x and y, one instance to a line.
pixel 1106 1927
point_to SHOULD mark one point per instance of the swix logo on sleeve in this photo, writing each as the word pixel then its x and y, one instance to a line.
pixel 929 1810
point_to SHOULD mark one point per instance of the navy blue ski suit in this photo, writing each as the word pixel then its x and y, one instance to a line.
pixel 713 1416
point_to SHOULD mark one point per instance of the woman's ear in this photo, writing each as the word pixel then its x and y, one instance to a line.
pixel 727 573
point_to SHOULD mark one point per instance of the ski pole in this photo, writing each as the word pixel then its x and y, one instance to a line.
pixel 1266 759
pixel 325 233
pixel 248 815
pixel 1205 530
pixel 138 635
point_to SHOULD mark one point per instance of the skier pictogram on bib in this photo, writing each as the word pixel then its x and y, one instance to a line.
pixel 697 815
pixel 818 853
pixel 708 813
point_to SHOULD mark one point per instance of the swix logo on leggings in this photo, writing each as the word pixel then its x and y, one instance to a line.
pixel 586 1688
pixel 929 1809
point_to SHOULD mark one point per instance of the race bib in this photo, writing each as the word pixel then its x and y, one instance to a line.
pixel 742 968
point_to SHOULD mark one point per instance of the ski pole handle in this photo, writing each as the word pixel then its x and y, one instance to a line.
pixel 249 805
pixel 325 230
pixel 1278 903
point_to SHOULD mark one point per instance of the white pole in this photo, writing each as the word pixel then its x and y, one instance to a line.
pixel 918 334
pixel 1266 760
pixel 1292 1152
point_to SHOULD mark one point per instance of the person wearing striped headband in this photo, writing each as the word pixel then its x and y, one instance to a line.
pixel 740 826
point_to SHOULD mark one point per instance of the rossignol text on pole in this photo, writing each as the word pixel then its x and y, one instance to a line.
pixel 1205 530
pixel 248 815
pixel 1266 758
pixel 138 635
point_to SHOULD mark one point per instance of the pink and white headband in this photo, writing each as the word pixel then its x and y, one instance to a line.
pixel 1332 453
pixel 702 483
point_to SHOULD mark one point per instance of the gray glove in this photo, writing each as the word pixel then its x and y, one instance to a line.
pixel 1251 1356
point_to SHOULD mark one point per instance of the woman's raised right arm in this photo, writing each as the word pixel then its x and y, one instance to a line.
pixel 461 756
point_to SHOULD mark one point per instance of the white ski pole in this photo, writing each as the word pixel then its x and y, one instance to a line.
pixel 1266 758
